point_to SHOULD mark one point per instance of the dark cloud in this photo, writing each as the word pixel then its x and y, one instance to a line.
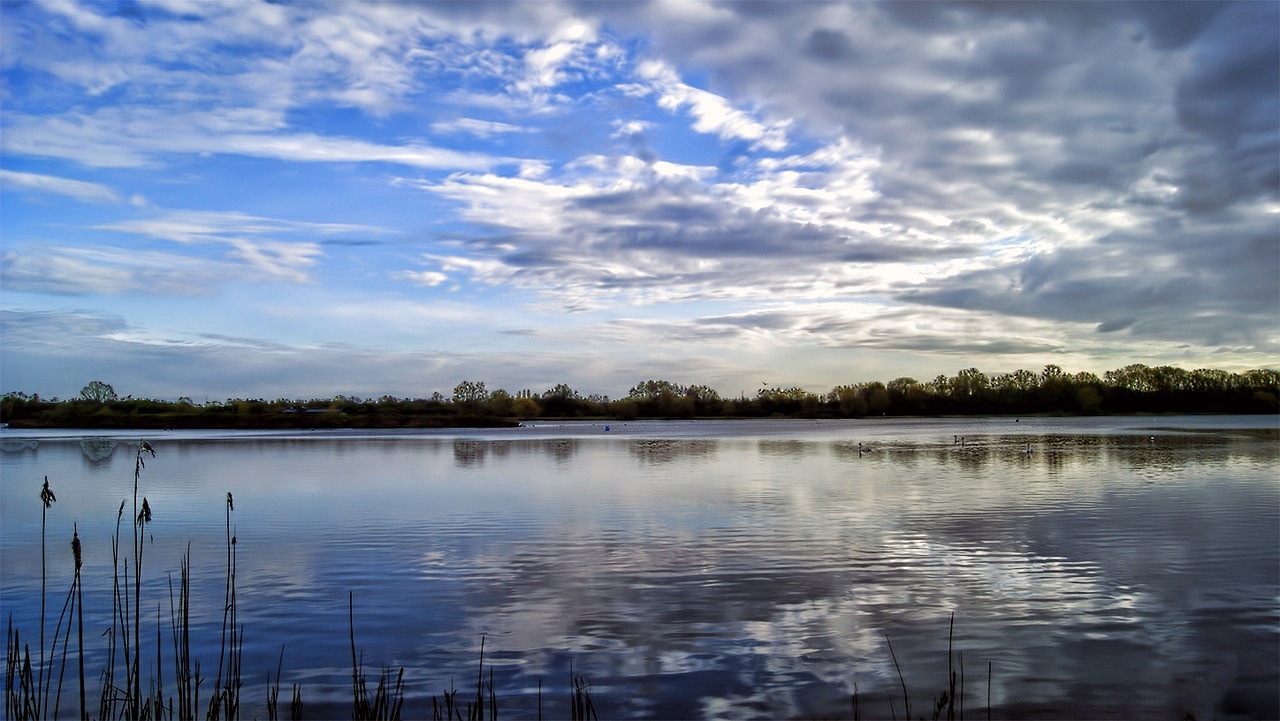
pixel 1197 288
pixel 1036 120
pixel 34 328
pixel 1117 324
pixel 829 45
pixel 1167 26
pixel 761 320
pixel 1231 98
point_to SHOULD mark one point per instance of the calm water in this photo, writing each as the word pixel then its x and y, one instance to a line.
pixel 704 569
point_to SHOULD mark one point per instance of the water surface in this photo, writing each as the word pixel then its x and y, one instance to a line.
pixel 1096 568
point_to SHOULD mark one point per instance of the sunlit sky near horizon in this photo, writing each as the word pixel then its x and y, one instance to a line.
pixel 247 199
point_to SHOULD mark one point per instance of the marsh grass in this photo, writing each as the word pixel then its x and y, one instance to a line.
pixel 949 703
pixel 581 706
pixel 273 694
pixel 225 703
pixel 388 698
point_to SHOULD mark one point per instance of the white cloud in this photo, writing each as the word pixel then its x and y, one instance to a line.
pixel 257 248
pixel 64 270
pixel 78 189
pixel 628 128
pixel 712 113
pixel 194 226
pixel 478 128
pixel 425 278
pixel 141 137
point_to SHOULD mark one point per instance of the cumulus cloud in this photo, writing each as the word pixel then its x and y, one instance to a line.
pixel 1094 136
pixel 622 228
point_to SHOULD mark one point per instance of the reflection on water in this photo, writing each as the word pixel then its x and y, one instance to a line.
pixel 727 570
pixel 98 449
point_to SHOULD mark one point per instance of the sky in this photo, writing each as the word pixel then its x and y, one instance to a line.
pixel 249 199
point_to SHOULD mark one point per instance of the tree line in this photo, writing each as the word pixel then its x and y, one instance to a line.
pixel 1132 389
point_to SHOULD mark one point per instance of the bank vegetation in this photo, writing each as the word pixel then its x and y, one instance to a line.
pixel 1133 389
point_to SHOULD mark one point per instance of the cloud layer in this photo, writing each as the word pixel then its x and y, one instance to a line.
pixel 596 193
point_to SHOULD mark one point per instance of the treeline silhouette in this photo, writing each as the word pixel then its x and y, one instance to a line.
pixel 1133 389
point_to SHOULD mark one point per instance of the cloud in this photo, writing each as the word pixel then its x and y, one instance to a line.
pixel 55 353
pixel 813 183
pixel 1231 100
pixel 141 137
pixel 1205 287
pixel 253 249
pixel 712 113
pixel 478 128
pixel 116 271
pixel 426 278
pixel 36 329
pixel 289 58
pixel 1090 135
pixel 623 229
pixel 194 226
pixel 260 247
pixel 78 189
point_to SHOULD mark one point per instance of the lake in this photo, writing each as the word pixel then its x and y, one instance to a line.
pixel 1095 567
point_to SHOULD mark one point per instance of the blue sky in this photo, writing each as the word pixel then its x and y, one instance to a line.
pixel 245 199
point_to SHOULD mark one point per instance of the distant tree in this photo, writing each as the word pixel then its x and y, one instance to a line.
pixel 786 401
pixel 526 407
pixel 702 394
pixel 625 408
pixel 877 397
pixel 939 386
pixel 907 395
pixel 470 393
pixel 99 392
pixel 969 385
pixel 848 399
pixel 1089 399
pixel 562 392
pixel 652 389
pixel 561 400
pixel 501 403
pixel 1051 373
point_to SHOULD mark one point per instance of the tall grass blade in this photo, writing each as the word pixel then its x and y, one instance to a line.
pixel 906 700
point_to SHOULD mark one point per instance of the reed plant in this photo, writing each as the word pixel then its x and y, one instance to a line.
pixel 68 612
pixel 47 499
pixel 581 707
pixel 485 701
pixel 273 694
pixel 388 699
pixel 186 678
pixel 225 702
pixel 21 693
pixel 949 703
pixel 78 555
